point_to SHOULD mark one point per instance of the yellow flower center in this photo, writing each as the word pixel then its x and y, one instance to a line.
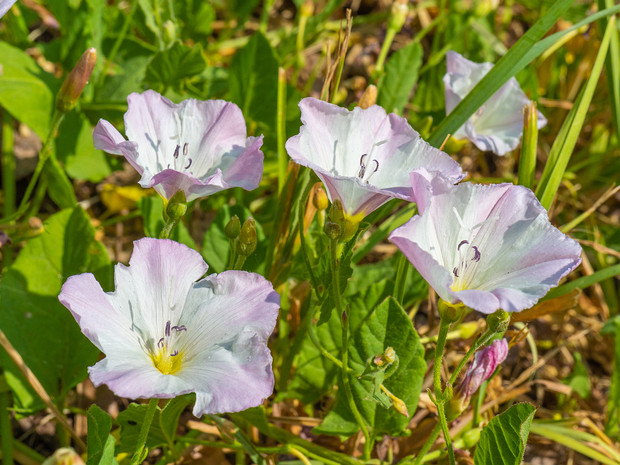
pixel 166 363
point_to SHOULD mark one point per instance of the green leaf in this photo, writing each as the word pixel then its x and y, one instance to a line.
pixel 162 429
pixel 39 327
pixel 401 75
pixel 23 90
pixel 517 58
pixel 74 148
pixel 315 375
pixel 584 281
pixel 612 422
pixel 170 67
pixel 578 380
pixel 152 209
pixel 100 441
pixel 253 80
pixel 216 246
pixel 386 326
pixel 59 187
pixel 503 440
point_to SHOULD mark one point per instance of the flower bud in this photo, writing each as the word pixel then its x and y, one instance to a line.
pixel 485 362
pixel 498 322
pixel 177 206
pixel 247 238
pixel 385 358
pixel 369 97
pixel 233 228
pixel 398 15
pixel 75 82
pixel 169 32
pixel 307 8
pixel 319 199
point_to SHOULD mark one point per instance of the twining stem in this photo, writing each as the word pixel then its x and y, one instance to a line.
pixel 43 156
pixel 385 48
pixel 479 342
pixel 333 255
pixel 138 455
pixel 444 327
pixel 167 229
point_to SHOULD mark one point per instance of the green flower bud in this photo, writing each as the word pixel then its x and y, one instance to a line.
pixel 75 82
pixel 233 228
pixel 450 312
pixel 398 15
pixel 498 322
pixel 332 230
pixel 177 206
pixel 247 238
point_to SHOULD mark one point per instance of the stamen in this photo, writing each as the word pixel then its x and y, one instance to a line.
pixel 362 170
pixel 176 152
pixel 160 343
pixel 185 149
pixel 460 244
pixel 167 330
pixel 476 254
pixel 189 164
pixel 456 271
pixel 179 328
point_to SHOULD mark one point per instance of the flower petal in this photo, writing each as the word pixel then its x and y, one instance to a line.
pixel 229 318
pixel 107 138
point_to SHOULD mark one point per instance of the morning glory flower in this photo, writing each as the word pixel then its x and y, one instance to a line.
pixel 198 147
pixel 5 5
pixel 497 126
pixel 165 331
pixel 363 156
pixel 488 247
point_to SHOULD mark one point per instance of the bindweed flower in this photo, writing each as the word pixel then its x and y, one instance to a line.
pixel 5 5
pixel 363 156
pixel 489 247
pixel 497 126
pixel 166 332
pixel 486 360
pixel 198 147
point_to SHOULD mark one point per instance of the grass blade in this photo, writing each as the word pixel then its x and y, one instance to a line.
pixel 564 144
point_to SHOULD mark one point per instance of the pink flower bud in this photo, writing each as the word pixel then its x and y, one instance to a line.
pixel 484 364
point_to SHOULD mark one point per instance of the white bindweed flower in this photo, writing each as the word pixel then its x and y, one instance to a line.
pixel 497 126
pixel 165 331
pixel 198 147
pixel 489 247
pixel 364 156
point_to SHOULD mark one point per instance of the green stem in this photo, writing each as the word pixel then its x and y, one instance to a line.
pixel 444 327
pixel 479 342
pixel 322 349
pixel 333 255
pixel 140 452
pixel 428 444
pixel 401 278
pixel 117 44
pixel 281 129
pixel 43 156
pixel 6 430
pixel 233 254
pixel 239 262
pixel 8 162
pixel 385 48
pixel 168 227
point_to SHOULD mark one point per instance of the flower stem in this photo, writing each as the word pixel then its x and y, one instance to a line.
pixel 141 450
pixel 333 254
pixel 5 424
pixel 281 129
pixel 444 327
pixel 43 156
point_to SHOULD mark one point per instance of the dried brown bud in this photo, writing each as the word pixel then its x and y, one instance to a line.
pixel 75 82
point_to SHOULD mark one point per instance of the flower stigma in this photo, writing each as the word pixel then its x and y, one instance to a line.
pixel 165 358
